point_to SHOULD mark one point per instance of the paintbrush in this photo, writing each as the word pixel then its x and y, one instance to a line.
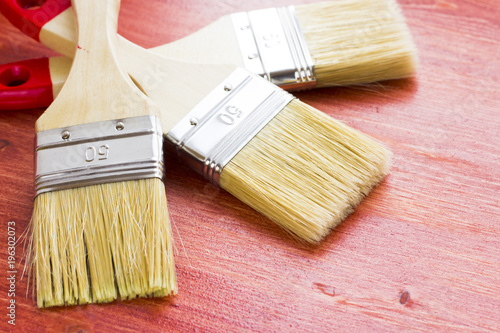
pixel 100 220
pixel 296 47
pixel 299 167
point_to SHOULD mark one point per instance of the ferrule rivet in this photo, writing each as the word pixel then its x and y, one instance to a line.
pixel 193 121
pixel 252 56
pixel 65 135
pixel 228 87
pixel 120 126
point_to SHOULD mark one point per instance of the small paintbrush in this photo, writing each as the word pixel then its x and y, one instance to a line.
pixel 323 44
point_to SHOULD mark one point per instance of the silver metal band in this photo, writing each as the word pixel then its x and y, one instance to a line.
pixel 209 136
pixel 97 153
pixel 273 46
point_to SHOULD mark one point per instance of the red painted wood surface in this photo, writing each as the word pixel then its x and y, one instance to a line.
pixel 421 253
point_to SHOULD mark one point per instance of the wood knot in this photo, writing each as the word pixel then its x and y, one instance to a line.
pixel 404 297
pixel 4 143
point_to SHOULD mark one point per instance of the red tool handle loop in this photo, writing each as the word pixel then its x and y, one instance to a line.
pixel 25 85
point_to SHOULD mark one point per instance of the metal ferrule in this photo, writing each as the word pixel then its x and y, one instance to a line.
pixel 96 153
pixel 273 46
pixel 211 134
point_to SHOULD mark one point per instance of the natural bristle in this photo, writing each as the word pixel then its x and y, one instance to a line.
pixel 306 171
pixel 97 243
pixel 357 41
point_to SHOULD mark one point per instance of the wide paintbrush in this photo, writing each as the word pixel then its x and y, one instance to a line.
pixel 100 221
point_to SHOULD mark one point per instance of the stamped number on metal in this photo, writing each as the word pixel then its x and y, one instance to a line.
pixel 229 114
pixel 91 153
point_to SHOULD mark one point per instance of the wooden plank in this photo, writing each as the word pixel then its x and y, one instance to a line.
pixel 421 253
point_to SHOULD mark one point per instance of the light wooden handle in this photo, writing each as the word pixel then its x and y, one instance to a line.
pixel 96 89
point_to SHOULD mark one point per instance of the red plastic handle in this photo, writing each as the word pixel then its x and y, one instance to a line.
pixel 25 85
pixel 30 16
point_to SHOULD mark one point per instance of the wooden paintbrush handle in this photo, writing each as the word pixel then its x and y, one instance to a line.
pixel 96 88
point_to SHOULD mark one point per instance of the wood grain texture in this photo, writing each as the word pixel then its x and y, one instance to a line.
pixel 94 71
pixel 421 253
